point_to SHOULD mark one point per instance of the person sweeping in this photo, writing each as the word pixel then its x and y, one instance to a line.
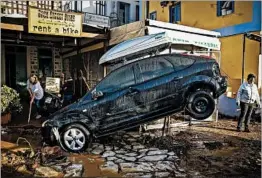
pixel 37 94
pixel 247 98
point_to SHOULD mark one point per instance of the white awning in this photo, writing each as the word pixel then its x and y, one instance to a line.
pixel 182 28
pixel 178 37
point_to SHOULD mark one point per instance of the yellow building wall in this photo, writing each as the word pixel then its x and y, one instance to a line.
pixel 232 55
pixel 204 14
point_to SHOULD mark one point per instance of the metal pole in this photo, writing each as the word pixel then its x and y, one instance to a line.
pixel 243 59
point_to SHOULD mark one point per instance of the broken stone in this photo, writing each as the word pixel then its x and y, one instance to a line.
pixel 108 154
pixel 111 158
pixel 132 159
pixel 157 152
pixel 126 136
pixel 95 145
pixel 75 170
pixel 172 158
pixel 131 139
pixel 121 151
pixel 109 166
pixel 131 154
pixel 119 161
pixel 138 175
pixel 198 144
pixel 47 172
pixel 108 148
pixel 138 147
pixel 171 153
pixel 97 151
pixel 127 158
pixel 143 150
pixel 136 167
pixel 165 166
pixel 128 147
pixel 141 155
pixel 115 148
pixel 178 174
pixel 153 158
pixel 162 174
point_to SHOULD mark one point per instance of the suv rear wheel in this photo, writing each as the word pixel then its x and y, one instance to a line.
pixel 75 138
pixel 201 105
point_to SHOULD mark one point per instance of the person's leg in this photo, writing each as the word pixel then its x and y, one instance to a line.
pixel 37 103
pixel 248 117
pixel 244 108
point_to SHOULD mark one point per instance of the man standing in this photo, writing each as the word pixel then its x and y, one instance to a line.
pixel 247 97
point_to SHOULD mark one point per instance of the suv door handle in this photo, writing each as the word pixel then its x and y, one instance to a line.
pixel 132 91
pixel 177 78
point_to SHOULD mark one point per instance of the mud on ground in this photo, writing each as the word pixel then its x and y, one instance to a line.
pixel 216 150
pixel 207 150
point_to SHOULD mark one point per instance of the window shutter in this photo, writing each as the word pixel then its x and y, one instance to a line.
pixel 178 12
pixel 171 14
pixel 233 6
pixel 218 8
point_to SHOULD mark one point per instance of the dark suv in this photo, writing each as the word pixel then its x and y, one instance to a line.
pixel 137 93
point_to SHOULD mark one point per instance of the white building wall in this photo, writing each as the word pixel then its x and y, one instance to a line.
pixel 111 6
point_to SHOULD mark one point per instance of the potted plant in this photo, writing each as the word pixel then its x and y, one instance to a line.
pixel 10 103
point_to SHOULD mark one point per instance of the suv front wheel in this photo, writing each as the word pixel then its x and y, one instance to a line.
pixel 201 105
pixel 75 138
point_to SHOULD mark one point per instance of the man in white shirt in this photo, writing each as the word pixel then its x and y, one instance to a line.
pixel 247 97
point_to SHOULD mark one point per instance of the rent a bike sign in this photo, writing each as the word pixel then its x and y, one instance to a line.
pixel 49 22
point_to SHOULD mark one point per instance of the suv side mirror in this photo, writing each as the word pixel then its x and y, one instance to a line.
pixel 97 94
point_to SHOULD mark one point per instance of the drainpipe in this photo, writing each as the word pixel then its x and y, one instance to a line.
pixel 243 58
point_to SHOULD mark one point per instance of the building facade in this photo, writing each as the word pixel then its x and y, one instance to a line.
pixel 119 12
pixel 231 18
pixel 38 37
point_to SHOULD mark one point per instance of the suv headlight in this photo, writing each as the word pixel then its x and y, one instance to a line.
pixel 43 124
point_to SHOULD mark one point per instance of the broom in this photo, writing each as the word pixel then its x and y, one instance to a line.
pixel 29 116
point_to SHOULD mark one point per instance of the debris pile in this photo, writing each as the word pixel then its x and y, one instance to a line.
pixel 45 162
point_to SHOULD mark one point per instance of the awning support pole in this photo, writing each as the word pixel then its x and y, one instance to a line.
pixel 243 59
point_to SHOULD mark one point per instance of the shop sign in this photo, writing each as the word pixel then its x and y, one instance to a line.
pixel 50 22
pixel 94 19
pixel 52 85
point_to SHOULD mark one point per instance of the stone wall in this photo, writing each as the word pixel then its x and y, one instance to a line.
pixel 66 68
pixel 57 62
pixel 32 60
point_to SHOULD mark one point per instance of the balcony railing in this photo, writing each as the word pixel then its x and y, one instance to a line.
pixel 20 7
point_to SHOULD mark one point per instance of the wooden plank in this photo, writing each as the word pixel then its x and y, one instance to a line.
pixel 7 26
pixel 93 35
pixel 86 49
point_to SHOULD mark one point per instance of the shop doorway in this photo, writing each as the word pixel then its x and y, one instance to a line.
pixel 45 62
pixel 16 74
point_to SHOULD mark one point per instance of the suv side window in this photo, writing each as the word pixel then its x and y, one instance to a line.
pixel 118 79
pixel 180 62
pixel 154 67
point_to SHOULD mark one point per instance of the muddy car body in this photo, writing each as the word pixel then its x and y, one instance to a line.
pixel 137 93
